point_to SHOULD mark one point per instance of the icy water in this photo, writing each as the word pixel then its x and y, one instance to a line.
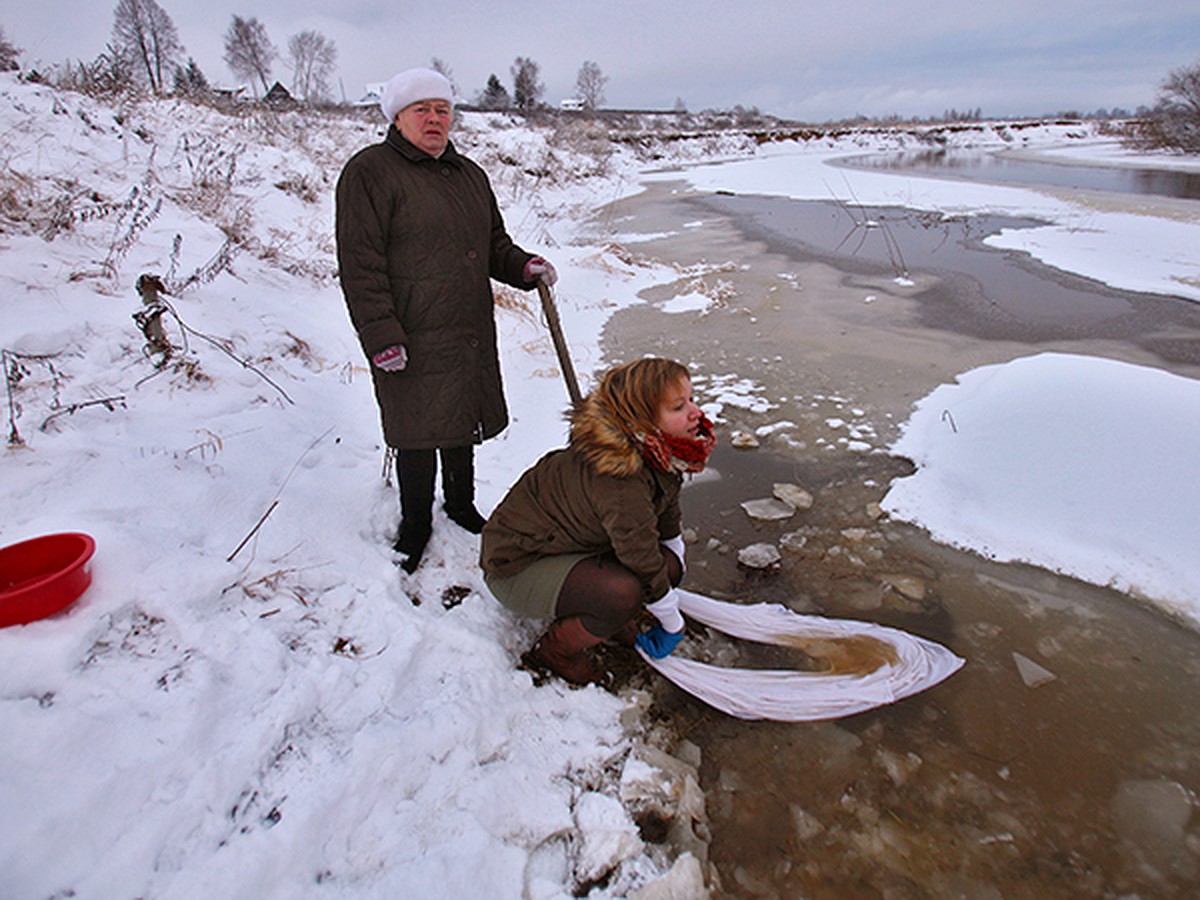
pixel 1004 169
pixel 985 786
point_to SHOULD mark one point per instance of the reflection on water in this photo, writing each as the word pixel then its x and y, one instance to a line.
pixel 978 291
pixel 998 168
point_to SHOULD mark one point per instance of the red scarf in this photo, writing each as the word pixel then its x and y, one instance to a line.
pixel 679 454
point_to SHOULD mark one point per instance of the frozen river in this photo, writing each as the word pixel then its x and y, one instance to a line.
pixel 1075 783
pixel 1001 168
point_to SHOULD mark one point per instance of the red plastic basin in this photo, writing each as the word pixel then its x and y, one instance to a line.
pixel 40 576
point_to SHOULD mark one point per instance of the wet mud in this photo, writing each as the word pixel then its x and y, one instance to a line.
pixel 1062 760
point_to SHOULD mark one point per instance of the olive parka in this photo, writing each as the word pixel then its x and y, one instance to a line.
pixel 418 239
pixel 597 495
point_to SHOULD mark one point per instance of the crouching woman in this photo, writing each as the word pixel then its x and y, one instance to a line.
pixel 591 535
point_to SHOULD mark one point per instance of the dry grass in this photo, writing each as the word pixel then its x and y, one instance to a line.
pixel 514 301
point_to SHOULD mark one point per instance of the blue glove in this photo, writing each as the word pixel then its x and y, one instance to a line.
pixel 658 642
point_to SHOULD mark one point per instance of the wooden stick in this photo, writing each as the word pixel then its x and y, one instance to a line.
pixel 560 343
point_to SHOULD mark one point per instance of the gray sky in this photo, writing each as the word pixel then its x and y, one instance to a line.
pixel 811 61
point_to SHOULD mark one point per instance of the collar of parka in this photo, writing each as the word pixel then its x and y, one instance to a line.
pixel 413 153
pixel 607 446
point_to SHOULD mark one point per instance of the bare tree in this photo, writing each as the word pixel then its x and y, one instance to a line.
pixel 8 54
pixel 249 53
pixel 145 36
pixel 589 85
pixel 527 90
pixel 1176 115
pixel 313 58
pixel 440 66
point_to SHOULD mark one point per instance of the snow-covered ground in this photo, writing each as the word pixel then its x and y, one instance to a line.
pixel 251 699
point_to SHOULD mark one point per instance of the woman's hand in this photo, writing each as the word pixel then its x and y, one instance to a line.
pixel 658 642
pixel 666 610
pixel 539 268
pixel 393 359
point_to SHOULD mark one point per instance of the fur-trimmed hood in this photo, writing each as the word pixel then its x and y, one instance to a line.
pixel 606 445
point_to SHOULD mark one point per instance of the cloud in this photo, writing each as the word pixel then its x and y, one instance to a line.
pixel 817 60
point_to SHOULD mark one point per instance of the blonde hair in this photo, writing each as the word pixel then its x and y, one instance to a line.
pixel 632 392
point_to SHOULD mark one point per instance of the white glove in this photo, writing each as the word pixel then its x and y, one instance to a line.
pixel 539 267
pixel 675 545
pixel 666 610
pixel 393 359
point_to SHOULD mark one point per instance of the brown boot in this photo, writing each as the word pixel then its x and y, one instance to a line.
pixel 561 650
pixel 627 636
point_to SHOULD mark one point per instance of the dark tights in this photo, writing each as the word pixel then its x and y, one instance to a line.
pixel 606 595
pixel 417 470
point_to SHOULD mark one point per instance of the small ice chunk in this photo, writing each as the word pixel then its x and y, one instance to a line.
pixel 1031 673
pixel 685 879
pixel 609 836
pixel 906 585
pixel 768 430
pixel 794 541
pixel 759 556
pixel 807 825
pixel 768 508
pixel 793 494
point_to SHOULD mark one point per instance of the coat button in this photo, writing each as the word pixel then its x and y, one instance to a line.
pixel 474 342
pixel 445 172
pixel 471 254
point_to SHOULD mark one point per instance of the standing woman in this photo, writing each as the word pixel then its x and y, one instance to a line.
pixel 591 535
pixel 419 236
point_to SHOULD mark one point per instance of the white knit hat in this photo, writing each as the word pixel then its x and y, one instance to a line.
pixel 412 85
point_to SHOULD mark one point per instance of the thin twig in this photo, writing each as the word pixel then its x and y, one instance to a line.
pixel 253 530
pixel 275 501
pixel 300 459
pixel 245 364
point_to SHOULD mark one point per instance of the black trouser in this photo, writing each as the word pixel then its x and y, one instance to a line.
pixel 417 472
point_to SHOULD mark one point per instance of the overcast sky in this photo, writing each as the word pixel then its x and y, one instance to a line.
pixel 810 61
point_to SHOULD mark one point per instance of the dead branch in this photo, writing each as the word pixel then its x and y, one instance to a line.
pixel 109 403
pixel 221 345
pixel 14 372
pixel 149 318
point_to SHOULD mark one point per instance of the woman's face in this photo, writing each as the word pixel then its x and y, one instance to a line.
pixel 678 414
pixel 426 124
